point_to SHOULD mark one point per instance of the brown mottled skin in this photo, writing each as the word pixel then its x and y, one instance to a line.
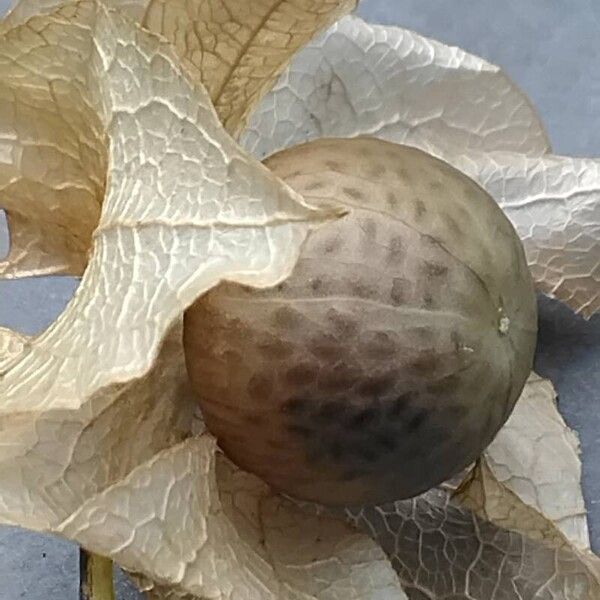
pixel 380 367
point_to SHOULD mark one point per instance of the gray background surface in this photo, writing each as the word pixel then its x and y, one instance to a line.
pixel 552 49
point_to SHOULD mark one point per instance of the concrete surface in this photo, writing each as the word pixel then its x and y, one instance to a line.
pixel 552 49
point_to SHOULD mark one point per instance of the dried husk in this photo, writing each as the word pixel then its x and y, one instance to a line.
pixel 93 150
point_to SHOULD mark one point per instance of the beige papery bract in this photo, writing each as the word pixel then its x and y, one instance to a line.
pixel 55 165
pixel 115 165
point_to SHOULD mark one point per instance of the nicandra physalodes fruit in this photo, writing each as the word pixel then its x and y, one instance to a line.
pixel 396 350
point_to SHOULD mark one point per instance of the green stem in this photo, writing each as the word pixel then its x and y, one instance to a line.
pixel 95 577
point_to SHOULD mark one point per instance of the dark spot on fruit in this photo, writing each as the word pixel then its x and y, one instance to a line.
pixel 362 150
pixel 426 363
pixel 354 193
pixel 344 325
pixel 328 411
pixel 296 406
pixel 260 387
pixel 232 356
pixel 275 350
pixel 436 186
pixel 425 334
pixel 337 379
pixel 363 417
pixel 314 185
pixel 325 347
pixel 333 165
pixel 453 226
pixel 446 385
pixel 402 172
pixel 398 406
pixel 395 250
pixel 376 169
pixel 398 290
pixel 370 231
pixel 486 258
pixel 375 387
pixel 332 245
pixel 286 317
pixel 416 420
pixel 453 412
pixel 420 208
pixel 316 284
pixel 456 340
pixel 300 430
pixel 301 374
pixel 378 346
pixel 432 269
pixel 361 290
pixel 391 200
pixel 428 302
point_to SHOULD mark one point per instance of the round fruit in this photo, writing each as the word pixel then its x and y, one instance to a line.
pixel 396 350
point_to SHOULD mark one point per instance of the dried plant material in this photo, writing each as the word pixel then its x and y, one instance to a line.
pixel 21 10
pixel 220 533
pixel 387 82
pixel 52 156
pixel 53 147
pixel 113 161
pixel 441 551
pixel 492 500
pixel 240 48
pixel 185 207
pixel 321 545
pixel 554 203
pixel 11 345
pixel 360 79
pixel 536 456
pixel 53 458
